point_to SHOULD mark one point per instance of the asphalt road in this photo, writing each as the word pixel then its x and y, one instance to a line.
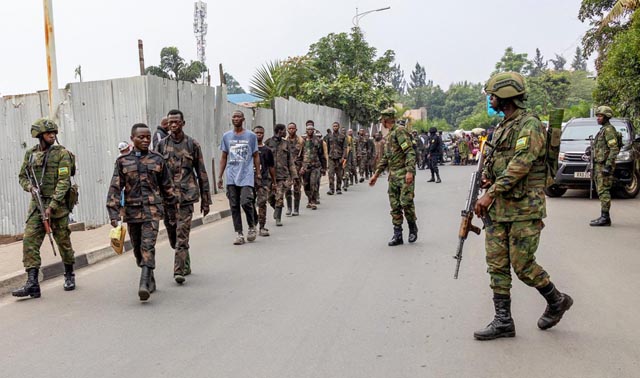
pixel 325 297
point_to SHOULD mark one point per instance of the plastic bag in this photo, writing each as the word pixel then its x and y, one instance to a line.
pixel 117 235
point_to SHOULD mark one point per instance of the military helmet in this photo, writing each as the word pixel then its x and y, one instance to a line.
pixel 508 85
pixel 605 111
pixel 43 125
pixel 388 113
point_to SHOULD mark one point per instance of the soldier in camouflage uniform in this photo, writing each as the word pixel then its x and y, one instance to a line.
pixel 148 192
pixel 295 144
pixel 400 158
pixel 362 151
pixel 351 169
pixel 286 170
pixel 514 176
pixel 266 179
pixel 371 156
pixel 52 165
pixel 605 151
pixel 183 156
pixel 337 151
pixel 313 167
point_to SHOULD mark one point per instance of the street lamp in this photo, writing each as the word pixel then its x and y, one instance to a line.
pixel 358 16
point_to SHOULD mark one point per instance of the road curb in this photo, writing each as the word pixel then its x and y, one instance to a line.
pixel 13 281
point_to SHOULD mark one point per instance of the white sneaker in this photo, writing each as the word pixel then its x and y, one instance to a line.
pixel 264 232
pixel 251 235
pixel 239 239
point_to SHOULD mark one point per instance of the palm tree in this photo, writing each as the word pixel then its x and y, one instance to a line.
pixel 619 10
pixel 267 82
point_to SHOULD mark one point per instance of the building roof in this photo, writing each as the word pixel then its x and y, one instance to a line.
pixel 243 98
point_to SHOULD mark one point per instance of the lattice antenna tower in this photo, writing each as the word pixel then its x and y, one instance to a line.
pixel 200 28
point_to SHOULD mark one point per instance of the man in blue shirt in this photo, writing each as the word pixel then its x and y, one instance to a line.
pixel 240 159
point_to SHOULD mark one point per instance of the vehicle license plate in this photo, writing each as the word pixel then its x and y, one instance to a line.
pixel 585 175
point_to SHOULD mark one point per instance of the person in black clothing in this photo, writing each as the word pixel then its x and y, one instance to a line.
pixel 435 150
pixel 161 132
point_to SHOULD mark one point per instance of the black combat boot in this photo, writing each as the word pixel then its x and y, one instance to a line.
pixel 557 304
pixel 31 288
pixel 502 324
pixel 152 282
pixel 413 232
pixel 277 214
pixel 296 207
pixel 143 290
pixel 396 239
pixel 604 220
pixel 288 213
pixel 69 278
pixel 438 180
pixel 432 179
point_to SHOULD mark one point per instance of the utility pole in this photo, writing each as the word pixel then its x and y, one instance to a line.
pixel 141 56
pixel 52 68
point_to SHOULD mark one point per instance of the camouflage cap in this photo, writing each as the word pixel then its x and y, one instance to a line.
pixel 43 125
pixel 605 111
pixel 388 113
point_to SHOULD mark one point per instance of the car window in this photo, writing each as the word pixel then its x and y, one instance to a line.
pixel 582 129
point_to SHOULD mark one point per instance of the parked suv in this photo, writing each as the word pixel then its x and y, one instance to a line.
pixel 573 164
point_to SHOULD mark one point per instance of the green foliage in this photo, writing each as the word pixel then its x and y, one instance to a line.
pixel 580 110
pixel 425 125
pixel 397 80
pixel 480 118
pixel 233 87
pixel 601 35
pixel 267 82
pixel 429 96
pixel 579 62
pixel 172 66
pixel 559 62
pixel 512 61
pixel 618 82
pixel 462 99
pixel 418 77
pixel 538 64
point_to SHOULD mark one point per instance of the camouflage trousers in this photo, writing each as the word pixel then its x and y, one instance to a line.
pixel 262 196
pixel 143 237
pixel 351 170
pixel 34 236
pixel 603 186
pixel 371 166
pixel 179 238
pixel 312 185
pixel 276 196
pixel 401 200
pixel 296 189
pixel 362 165
pixel 335 174
pixel 514 244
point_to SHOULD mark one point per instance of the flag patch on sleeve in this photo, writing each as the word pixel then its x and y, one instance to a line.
pixel 522 143
pixel 63 171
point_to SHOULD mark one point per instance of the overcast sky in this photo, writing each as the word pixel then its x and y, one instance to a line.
pixel 454 40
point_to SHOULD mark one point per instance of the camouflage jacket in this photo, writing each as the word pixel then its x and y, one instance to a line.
pixel 362 146
pixel 352 148
pixel 516 167
pixel 605 145
pixel 336 146
pixel 186 163
pixel 284 160
pixel 52 169
pixel 399 155
pixel 147 183
pixel 371 149
pixel 313 154
pixel 295 148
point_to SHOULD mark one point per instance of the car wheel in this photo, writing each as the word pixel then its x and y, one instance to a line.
pixel 554 191
pixel 630 190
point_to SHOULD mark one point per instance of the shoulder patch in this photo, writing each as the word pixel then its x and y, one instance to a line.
pixel 63 171
pixel 613 142
pixel 522 143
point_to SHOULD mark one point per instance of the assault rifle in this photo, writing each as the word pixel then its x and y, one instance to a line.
pixel 466 224
pixel 37 196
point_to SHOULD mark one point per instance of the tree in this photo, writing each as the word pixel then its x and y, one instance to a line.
pixel 397 80
pixel 267 83
pixel 559 62
pixel 462 99
pixel 233 87
pixel 538 64
pixel 428 96
pixel 579 62
pixel 618 82
pixel 172 66
pixel 620 9
pixel 512 61
pixel 418 77
pixel 601 34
